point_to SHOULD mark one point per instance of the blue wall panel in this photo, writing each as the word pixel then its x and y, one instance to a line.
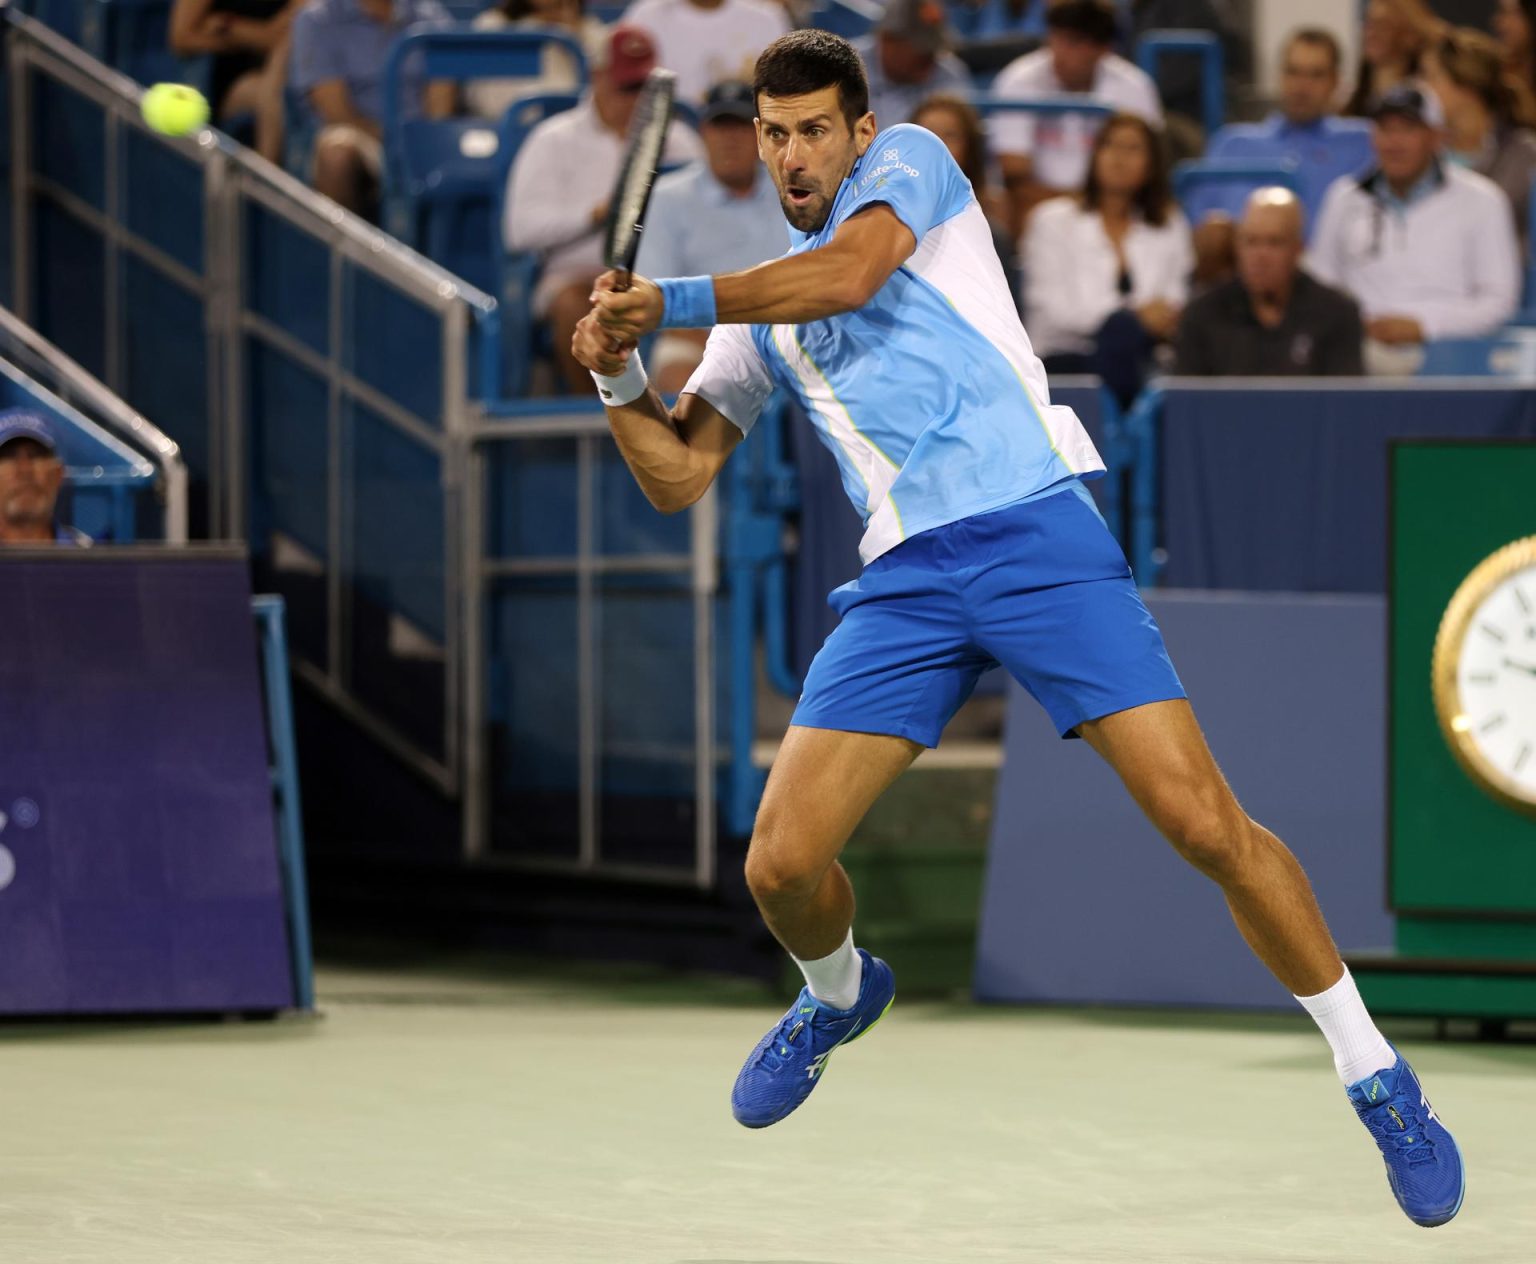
pixel 395 345
pixel 287 278
pixel 69 280
pixel 163 198
pixel 165 365
pixel 69 141
pixel 1085 902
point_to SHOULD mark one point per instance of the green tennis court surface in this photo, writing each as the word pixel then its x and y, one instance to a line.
pixel 475 1112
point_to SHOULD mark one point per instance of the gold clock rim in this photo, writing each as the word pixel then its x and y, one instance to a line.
pixel 1486 575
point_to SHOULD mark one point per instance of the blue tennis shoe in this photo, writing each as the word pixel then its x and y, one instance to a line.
pixel 787 1063
pixel 1424 1165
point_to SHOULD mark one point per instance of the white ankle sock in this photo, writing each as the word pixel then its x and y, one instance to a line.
pixel 834 979
pixel 1358 1048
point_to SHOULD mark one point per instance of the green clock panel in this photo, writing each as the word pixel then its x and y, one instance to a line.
pixel 1452 848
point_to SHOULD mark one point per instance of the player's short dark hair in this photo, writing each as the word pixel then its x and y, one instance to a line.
pixel 808 61
pixel 1095 20
pixel 1316 37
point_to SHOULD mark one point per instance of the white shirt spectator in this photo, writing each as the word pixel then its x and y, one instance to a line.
pixel 566 167
pixel 1072 273
pixel 489 98
pixel 704 46
pixel 1059 145
pixel 1447 256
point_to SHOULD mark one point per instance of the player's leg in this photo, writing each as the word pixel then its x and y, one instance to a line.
pixel 821 785
pixel 883 687
pixel 1162 757
pixel 1057 606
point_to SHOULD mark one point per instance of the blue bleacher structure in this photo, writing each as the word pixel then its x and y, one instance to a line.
pixel 128 35
pixel 442 175
pixel 1200 173
pixel 517 271
pixel 1154 45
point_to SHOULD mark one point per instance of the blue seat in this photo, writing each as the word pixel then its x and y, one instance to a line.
pixel 1213 87
pixel 517 271
pixel 849 18
pixel 441 175
pixel 1200 173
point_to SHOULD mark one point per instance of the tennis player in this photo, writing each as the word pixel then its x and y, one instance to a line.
pixel 890 321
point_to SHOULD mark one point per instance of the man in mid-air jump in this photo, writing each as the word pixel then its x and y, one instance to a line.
pixel 890 322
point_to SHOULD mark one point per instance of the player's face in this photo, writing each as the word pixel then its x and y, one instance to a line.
pixel 1269 249
pixel 1308 81
pixel 30 476
pixel 809 149
pixel 1404 148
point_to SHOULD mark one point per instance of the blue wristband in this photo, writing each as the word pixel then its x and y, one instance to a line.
pixel 687 302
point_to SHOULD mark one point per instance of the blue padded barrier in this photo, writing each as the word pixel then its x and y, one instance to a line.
pixel 1085 904
pixel 271 629
pixel 441 174
pixel 1221 471
pixel 1154 45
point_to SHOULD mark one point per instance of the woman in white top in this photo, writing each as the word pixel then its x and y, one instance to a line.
pixel 1106 272
pixel 489 98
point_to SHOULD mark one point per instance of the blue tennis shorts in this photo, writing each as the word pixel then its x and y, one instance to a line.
pixel 1040 587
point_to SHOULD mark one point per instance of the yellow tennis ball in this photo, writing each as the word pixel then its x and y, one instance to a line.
pixel 174 108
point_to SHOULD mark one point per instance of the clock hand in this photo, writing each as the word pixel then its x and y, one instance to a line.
pixel 1509 662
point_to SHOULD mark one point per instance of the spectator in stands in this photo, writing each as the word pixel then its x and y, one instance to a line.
pixel 1514 26
pixel 1106 273
pixel 340 51
pixel 906 59
pixel 1273 320
pixel 708 41
pixel 1393 38
pixel 248 43
pixel 1489 114
pixel 1304 130
pixel 1427 248
pixel 559 185
pixel 954 121
pixel 720 215
pixel 1043 157
pixel 558 72
pixel 31 475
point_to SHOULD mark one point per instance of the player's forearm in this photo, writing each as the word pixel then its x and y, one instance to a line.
pixel 790 291
pixel 657 454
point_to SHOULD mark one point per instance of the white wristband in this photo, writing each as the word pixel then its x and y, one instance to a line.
pixel 627 387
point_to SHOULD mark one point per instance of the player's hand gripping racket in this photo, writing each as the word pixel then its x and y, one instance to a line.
pixel 647 137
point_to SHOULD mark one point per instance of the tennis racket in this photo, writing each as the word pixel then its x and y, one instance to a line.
pixel 647 136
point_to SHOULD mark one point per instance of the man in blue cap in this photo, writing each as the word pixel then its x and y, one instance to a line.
pixel 31 474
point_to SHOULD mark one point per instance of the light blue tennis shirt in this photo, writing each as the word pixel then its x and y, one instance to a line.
pixel 929 396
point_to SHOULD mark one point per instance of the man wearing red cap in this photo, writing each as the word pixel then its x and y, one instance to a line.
pixel 557 192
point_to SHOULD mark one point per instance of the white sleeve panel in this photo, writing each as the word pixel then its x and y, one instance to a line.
pixel 732 377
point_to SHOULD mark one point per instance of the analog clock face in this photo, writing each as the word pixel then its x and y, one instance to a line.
pixel 1492 711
